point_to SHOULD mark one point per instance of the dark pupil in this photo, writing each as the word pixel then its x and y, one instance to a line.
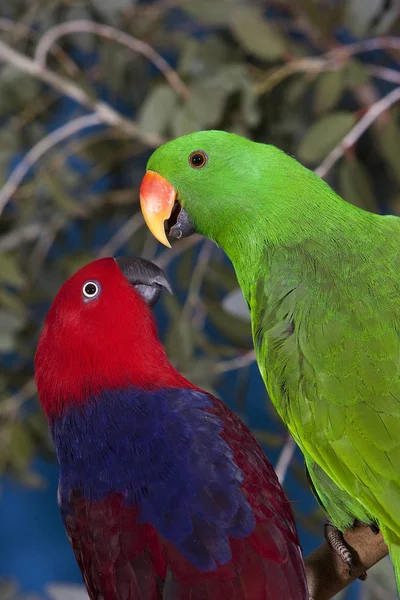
pixel 90 289
pixel 197 160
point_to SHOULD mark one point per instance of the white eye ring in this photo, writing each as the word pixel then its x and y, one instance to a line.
pixel 91 289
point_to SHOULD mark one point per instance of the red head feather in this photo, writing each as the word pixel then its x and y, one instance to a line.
pixel 108 341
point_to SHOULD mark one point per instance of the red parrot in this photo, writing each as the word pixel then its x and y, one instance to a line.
pixel 164 493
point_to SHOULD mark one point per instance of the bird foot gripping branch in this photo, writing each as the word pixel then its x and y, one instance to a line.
pixel 335 539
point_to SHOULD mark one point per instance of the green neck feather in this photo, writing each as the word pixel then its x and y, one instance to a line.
pixel 294 210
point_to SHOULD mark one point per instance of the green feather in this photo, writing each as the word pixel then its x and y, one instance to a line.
pixel 322 280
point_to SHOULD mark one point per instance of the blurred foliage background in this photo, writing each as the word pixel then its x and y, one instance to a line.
pixel 87 89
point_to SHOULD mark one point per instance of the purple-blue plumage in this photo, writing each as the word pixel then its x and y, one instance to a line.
pixel 162 451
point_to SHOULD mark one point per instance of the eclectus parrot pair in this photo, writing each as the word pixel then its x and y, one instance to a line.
pixel 164 493
pixel 322 281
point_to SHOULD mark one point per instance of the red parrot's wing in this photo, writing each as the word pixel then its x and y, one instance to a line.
pixel 177 500
pixel 119 558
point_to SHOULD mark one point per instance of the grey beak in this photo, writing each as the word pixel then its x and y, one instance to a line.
pixel 183 226
pixel 147 279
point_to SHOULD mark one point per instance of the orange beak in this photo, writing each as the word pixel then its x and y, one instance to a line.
pixel 157 198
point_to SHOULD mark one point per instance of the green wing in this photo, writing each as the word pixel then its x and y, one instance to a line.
pixel 338 504
pixel 330 337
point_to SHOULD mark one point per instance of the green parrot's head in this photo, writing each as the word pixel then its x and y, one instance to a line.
pixel 208 182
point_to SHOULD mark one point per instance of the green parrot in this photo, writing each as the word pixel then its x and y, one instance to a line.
pixel 321 278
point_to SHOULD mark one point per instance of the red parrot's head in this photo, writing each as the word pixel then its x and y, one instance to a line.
pixel 100 333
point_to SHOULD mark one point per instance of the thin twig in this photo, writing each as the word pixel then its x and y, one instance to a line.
pixel 177 249
pixel 17 27
pixel 128 229
pixel 11 405
pixel 285 459
pixel 105 112
pixel 385 74
pixel 331 61
pixel 110 33
pixel 239 362
pixel 21 29
pixel 354 134
pixel 196 281
pixel 39 149
pixel 16 237
pixel 40 251
pixel 149 247
pixel 377 43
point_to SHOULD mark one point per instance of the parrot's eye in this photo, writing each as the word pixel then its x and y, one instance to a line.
pixel 198 159
pixel 91 289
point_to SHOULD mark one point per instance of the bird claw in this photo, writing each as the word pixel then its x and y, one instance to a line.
pixel 375 530
pixel 335 539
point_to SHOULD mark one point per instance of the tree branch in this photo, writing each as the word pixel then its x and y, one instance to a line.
pixel 327 574
pixel 39 149
pixel 351 138
pixel 177 249
pixel 239 362
pixel 105 112
pixel 110 33
pixel 285 458
pixel 128 229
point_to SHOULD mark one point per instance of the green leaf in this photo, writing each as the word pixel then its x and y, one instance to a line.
pixel 206 103
pixel 296 89
pixel 12 301
pixel 184 268
pixel 205 57
pixel 110 8
pixel 394 203
pixel 158 109
pixel 390 144
pixel 179 344
pixel 222 275
pixel 370 17
pixel 10 322
pixel 7 342
pixel 211 12
pixel 70 264
pixel 355 74
pixel 236 331
pixel 356 185
pixel 328 90
pixel 8 589
pixel 19 446
pixel 62 199
pixel 8 147
pixel 323 136
pixel 250 108
pixel 17 90
pixel 255 34
pixel 32 479
pixel 10 272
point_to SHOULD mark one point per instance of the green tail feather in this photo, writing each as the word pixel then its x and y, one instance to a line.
pixel 393 543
